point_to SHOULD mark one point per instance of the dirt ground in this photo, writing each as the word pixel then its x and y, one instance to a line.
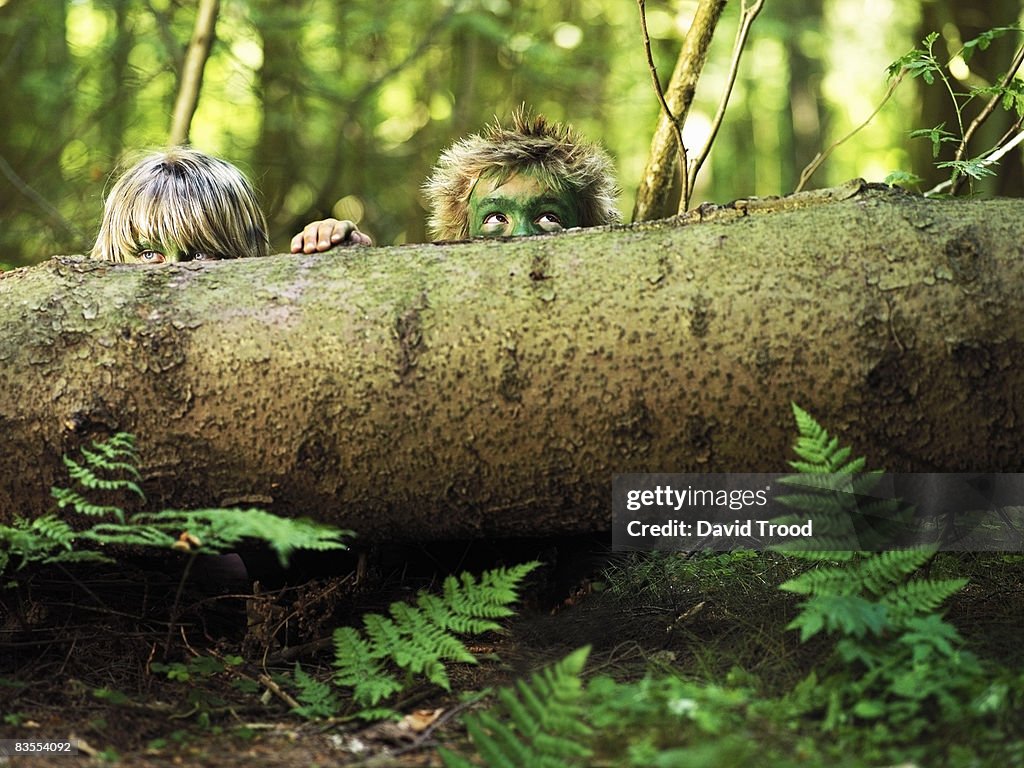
pixel 78 648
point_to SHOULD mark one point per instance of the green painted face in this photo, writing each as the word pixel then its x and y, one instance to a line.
pixel 522 205
pixel 150 253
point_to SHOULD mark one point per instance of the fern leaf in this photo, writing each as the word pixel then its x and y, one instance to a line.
pixel 454 760
pixel 822 552
pixel 881 571
pixel 497 744
pixel 850 615
pixel 53 529
pixel 88 477
pixel 420 639
pixel 491 596
pixel 129 535
pixel 358 667
pixel 919 597
pixel 544 728
pixel 221 530
pixel 316 697
pixel 805 423
pixel 383 635
pixel 824 581
pixel 76 556
pixel 424 645
pixel 65 497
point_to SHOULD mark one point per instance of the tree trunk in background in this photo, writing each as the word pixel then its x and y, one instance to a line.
pixel 281 90
pixel 494 388
pixel 190 80
pixel 122 82
pixel 802 129
pixel 660 184
pixel 35 110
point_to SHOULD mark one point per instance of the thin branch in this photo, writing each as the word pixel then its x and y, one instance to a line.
pixel 666 110
pixel 747 16
pixel 991 158
pixel 192 71
pixel 820 158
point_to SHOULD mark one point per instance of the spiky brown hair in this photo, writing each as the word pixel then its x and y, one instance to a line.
pixel 552 152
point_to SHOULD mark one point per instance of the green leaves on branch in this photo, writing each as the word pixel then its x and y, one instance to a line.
pixel 1008 92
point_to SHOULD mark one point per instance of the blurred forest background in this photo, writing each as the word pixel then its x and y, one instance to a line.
pixel 341 108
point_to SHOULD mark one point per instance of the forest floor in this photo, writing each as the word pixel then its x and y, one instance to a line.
pixel 101 656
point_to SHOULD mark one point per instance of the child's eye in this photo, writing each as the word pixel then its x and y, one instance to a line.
pixel 495 218
pixel 151 257
pixel 203 257
pixel 549 222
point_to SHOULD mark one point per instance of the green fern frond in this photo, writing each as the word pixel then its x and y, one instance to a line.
pixel 426 645
pixel 820 452
pixel 220 530
pixel 110 458
pixel 822 551
pixel 76 556
pixel 120 445
pixel 358 666
pixel 317 698
pixel 850 615
pixel 823 581
pixel 109 466
pixel 128 535
pixel 490 597
pixel 65 497
pixel 537 724
pixel 419 639
pixel 918 597
pixel 879 573
pixel 864 523
pixel 54 530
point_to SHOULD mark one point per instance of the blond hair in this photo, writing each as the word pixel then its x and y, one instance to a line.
pixel 552 152
pixel 184 200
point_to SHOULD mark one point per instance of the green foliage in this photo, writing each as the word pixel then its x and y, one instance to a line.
pixel 318 699
pixel 194 673
pixel 108 466
pixel 924 63
pixel 535 724
pixel 902 178
pixel 46 539
pixel 666 720
pixel 900 663
pixel 836 492
pixel 416 641
pixel 102 477
pixel 221 530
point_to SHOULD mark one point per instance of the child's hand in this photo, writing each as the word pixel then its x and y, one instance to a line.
pixel 326 234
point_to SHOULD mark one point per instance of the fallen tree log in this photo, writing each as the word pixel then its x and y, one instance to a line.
pixel 494 388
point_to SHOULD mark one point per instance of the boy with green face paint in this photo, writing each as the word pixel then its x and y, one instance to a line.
pixel 528 179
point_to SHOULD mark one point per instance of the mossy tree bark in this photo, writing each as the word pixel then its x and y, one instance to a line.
pixel 494 388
